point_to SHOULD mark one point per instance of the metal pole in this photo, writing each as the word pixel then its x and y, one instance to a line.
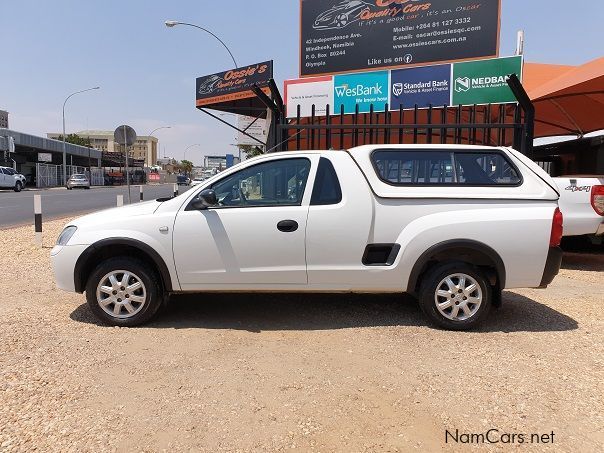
pixel 127 166
pixel 64 147
pixel 170 23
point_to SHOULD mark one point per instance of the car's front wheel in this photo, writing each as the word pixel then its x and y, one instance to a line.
pixel 18 186
pixel 455 296
pixel 124 292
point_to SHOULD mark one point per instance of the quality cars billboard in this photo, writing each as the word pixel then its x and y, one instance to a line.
pixel 232 90
pixel 339 36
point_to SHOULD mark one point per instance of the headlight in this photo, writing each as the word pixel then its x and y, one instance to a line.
pixel 66 234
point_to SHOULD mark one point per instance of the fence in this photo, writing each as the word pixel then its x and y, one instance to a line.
pixel 48 175
pixel 494 125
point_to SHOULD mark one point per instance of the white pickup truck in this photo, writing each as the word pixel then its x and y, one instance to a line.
pixel 582 204
pixel 453 225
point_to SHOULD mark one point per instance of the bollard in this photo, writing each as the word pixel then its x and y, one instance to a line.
pixel 38 219
pixel 141 198
pixel 120 201
pixel 175 190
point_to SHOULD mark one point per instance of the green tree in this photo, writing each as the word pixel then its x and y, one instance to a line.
pixel 251 151
pixel 186 166
pixel 75 139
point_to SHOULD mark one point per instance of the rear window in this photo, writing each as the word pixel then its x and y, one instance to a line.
pixel 327 188
pixel 434 167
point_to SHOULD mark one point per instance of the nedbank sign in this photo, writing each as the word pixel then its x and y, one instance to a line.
pixel 484 82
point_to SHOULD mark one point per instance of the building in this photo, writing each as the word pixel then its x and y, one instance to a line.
pixel 145 147
pixel 3 119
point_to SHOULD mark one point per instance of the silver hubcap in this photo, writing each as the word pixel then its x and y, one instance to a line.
pixel 458 297
pixel 121 294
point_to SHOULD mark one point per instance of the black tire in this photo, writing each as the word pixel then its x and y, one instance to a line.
pixel 18 186
pixel 431 283
pixel 149 278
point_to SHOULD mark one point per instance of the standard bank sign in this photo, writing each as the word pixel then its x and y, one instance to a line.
pixel 363 89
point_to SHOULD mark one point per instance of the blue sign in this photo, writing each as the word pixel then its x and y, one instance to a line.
pixel 421 86
pixel 230 160
pixel 363 89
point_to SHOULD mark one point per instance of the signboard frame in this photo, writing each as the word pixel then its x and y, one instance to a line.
pixel 395 66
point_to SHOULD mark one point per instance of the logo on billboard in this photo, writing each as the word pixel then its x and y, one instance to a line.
pixel 462 84
pixel 350 11
pixel 209 85
pixel 359 90
pixel 397 89
pixel 362 91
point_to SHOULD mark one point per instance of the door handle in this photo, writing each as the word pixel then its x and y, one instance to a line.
pixel 287 226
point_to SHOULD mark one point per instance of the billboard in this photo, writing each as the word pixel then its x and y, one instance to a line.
pixel 421 87
pixel 362 90
pixel 231 90
pixel 484 82
pixel 256 127
pixel 468 83
pixel 339 36
pixel 316 91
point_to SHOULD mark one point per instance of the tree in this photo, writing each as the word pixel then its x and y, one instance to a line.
pixel 251 151
pixel 75 139
pixel 186 166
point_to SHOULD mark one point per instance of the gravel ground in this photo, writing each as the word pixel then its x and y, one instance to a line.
pixel 306 373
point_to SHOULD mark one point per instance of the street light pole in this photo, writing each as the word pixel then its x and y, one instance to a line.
pixel 172 23
pixel 151 136
pixel 188 148
pixel 64 146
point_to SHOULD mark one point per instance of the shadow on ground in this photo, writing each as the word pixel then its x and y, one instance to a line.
pixel 583 262
pixel 257 312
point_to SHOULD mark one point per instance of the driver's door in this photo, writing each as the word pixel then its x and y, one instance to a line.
pixel 255 237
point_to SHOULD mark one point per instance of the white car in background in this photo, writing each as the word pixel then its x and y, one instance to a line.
pixel 582 204
pixel 10 179
pixel 197 181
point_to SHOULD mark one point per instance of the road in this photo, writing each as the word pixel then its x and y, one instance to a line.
pixel 18 208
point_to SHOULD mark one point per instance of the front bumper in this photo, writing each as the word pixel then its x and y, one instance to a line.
pixel 600 231
pixel 552 266
pixel 63 260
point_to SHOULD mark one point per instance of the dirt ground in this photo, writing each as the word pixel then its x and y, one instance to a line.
pixel 301 373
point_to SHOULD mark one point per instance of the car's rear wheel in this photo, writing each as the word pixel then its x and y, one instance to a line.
pixel 455 296
pixel 124 292
pixel 18 186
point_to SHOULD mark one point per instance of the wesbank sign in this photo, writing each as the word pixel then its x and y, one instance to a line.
pixel 363 89
pixel 359 90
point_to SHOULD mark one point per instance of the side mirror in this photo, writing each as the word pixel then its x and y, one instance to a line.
pixel 207 198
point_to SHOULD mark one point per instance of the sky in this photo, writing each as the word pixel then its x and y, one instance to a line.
pixel 51 48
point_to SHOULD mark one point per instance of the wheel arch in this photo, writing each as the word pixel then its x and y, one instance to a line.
pixel 464 250
pixel 119 247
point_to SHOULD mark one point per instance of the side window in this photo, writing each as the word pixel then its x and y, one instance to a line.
pixel 276 183
pixel 414 167
pixel 485 169
pixel 327 188
pixel 432 167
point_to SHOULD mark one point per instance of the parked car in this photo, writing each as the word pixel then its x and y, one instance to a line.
pixel 182 180
pixel 452 225
pixel 197 181
pixel 582 204
pixel 78 181
pixel 9 178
